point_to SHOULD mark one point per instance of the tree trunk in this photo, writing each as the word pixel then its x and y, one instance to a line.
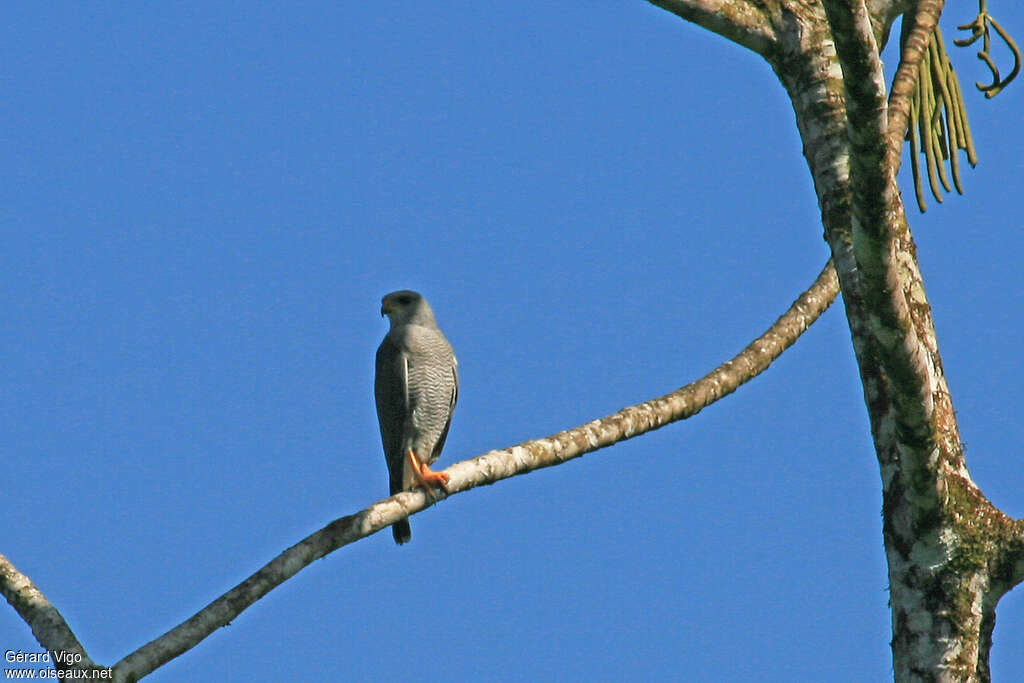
pixel 951 553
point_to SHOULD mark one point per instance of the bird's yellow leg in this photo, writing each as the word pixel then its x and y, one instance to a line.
pixel 424 475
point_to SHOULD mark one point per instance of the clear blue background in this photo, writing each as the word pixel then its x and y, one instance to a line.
pixel 201 208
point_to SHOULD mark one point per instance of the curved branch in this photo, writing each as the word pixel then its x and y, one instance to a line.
pixel 904 83
pixel 490 468
pixel 740 21
pixel 47 624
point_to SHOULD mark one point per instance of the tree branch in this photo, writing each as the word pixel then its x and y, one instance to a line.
pixel 47 624
pixel 741 21
pixel 883 14
pixel 904 83
pixel 948 548
pixel 490 468
pixel 878 223
pixel 1013 558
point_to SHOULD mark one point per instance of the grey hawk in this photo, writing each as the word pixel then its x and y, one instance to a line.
pixel 416 386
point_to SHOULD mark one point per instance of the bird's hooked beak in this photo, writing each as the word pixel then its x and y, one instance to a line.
pixel 385 308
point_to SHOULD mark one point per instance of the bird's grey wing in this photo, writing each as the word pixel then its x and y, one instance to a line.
pixel 391 389
pixel 451 410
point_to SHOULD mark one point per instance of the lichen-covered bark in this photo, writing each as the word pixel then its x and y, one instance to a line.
pixel 47 624
pixel 741 21
pixel 951 553
pixel 941 534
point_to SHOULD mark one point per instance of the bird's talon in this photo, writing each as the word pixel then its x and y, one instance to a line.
pixel 430 478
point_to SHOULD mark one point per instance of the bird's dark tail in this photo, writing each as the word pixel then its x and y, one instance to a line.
pixel 401 531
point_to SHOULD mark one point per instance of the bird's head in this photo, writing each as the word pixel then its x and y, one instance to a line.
pixel 406 307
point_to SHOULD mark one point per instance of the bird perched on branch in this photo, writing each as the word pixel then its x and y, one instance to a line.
pixel 416 387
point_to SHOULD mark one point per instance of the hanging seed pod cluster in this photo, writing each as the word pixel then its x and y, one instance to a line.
pixel 938 119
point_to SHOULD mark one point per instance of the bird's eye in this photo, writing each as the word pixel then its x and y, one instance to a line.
pixel 405 300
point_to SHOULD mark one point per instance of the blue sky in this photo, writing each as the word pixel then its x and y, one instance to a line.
pixel 202 207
